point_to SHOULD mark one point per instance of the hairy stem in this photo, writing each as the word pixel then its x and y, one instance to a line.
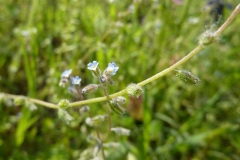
pixel 228 21
pixel 36 101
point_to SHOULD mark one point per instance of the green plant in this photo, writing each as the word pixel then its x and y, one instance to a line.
pixel 206 39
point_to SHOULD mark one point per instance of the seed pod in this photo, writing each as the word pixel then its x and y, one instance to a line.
pixel 88 121
pixel 64 103
pixel 120 100
pixel 95 121
pixel 116 108
pixel 84 109
pixel 19 101
pixel 98 119
pixel 91 88
pixel 207 38
pixel 187 77
pixel 134 90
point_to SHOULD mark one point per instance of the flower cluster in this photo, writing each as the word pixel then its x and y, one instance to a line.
pixel 74 82
pixel 104 78
pixel 110 71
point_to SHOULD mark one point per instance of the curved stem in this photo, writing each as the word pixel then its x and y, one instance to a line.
pixel 228 21
pixel 171 68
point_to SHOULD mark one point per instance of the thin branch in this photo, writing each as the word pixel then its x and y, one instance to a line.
pixel 36 101
pixel 228 21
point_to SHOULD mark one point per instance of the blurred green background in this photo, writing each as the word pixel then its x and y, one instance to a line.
pixel 172 120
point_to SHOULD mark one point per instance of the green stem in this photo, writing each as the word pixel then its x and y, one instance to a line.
pixel 228 21
pixel 36 101
pixel 171 68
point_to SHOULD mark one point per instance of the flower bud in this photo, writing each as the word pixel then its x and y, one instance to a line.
pixel 19 101
pixel 65 78
pixel 84 109
pixel 207 38
pixel 63 81
pixel 64 103
pixel 103 79
pixel 106 79
pixel 88 121
pixel 91 88
pixel 95 121
pixel 187 77
pixel 121 131
pixel 134 90
pixel 115 107
pixel 64 115
pixel 120 100
pixel 98 119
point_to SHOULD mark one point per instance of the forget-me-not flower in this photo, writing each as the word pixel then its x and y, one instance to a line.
pixel 66 73
pixel 111 69
pixel 92 66
pixel 76 80
pixel 65 77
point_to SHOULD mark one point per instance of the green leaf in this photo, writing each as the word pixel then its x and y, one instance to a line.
pixel 26 121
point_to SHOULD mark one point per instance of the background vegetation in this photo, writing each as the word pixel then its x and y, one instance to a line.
pixel 172 120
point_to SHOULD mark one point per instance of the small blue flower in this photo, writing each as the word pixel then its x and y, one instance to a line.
pixel 76 80
pixel 111 69
pixel 92 66
pixel 66 73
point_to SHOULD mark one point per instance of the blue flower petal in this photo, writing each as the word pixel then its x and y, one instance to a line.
pixel 66 73
pixel 112 69
pixel 92 66
pixel 76 80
